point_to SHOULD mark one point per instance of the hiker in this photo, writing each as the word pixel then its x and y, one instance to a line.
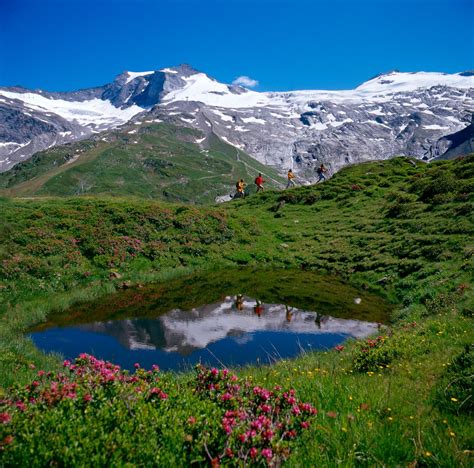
pixel 240 185
pixel 239 302
pixel 321 171
pixel 320 319
pixel 258 308
pixel 259 183
pixel 289 313
pixel 291 179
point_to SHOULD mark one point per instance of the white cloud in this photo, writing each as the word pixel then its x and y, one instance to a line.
pixel 245 81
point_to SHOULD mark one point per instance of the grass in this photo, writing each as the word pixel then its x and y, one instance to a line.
pixel 157 161
pixel 397 228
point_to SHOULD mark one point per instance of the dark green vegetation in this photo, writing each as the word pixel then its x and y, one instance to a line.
pixel 151 160
pixel 398 228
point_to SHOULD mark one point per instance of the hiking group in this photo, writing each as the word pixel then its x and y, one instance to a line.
pixel 259 181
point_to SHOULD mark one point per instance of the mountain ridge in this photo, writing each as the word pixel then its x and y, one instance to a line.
pixel 393 113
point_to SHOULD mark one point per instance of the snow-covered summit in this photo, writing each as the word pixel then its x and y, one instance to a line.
pixel 398 81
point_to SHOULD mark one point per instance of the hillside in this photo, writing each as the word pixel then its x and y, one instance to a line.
pixel 148 160
pixel 399 228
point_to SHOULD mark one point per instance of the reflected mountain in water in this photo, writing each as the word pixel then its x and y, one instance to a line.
pixel 239 318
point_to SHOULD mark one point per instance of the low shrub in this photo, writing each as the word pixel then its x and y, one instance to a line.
pixel 373 354
pixel 112 416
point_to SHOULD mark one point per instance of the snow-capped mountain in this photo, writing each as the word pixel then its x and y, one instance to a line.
pixel 392 114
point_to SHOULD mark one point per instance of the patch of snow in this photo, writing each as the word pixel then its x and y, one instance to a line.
pixel 435 127
pixel 168 70
pixel 377 111
pixel 133 75
pixel 453 119
pixel 199 140
pixel 342 122
pixel 132 131
pixel 319 126
pixel 223 116
pixel 230 143
pixel 253 120
pixel 402 127
pixel 88 113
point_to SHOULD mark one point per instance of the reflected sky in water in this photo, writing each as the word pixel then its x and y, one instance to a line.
pixel 236 331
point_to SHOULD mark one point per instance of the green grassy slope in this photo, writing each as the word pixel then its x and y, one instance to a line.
pixel 157 161
pixel 400 228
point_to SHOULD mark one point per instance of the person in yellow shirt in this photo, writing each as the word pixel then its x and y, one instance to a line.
pixel 240 185
pixel 291 179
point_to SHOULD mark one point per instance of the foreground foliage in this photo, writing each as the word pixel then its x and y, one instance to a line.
pixel 122 411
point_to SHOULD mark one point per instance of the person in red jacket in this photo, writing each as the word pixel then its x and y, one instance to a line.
pixel 259 183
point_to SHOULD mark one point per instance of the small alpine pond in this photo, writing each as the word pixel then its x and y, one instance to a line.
pixel 219 318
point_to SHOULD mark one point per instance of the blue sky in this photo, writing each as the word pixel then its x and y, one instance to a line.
pixel 284 44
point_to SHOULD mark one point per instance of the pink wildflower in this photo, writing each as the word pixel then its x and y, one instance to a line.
pixel 267 453
pixel 5 418
pixel 20 405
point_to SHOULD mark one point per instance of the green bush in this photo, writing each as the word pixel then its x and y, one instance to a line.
pixel 372 355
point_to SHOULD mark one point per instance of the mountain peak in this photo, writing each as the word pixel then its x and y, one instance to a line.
pixel 184 69
pixel 390 72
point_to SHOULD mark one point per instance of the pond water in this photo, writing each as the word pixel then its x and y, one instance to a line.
pixel 226 318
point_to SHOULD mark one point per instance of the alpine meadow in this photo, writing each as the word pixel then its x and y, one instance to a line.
pixel 202 272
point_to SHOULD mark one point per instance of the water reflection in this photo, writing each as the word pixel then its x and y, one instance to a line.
pixel 234 331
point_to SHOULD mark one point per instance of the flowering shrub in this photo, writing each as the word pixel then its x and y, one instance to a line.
pixel 258 423
pixel 373 354
pixel 115 416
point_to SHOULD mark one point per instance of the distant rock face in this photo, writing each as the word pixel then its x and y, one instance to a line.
pixel 457 144
pixel 392 114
